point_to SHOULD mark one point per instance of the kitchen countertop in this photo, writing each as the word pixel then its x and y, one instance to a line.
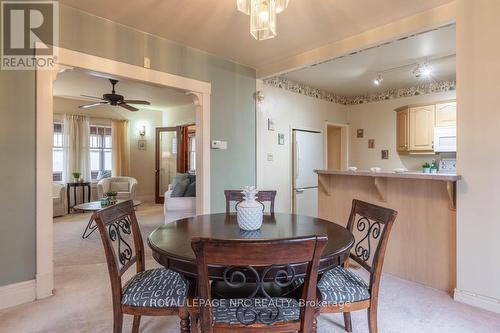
pixel 384 174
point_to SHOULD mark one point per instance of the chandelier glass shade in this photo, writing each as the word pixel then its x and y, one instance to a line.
pixel 262 16
pixel 281 5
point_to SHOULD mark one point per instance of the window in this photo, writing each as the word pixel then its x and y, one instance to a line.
pixel 192 152
pixel 57 153
pixel 100 150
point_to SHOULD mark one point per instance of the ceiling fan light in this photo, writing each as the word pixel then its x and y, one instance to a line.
pixel 263 19
pixel 243 6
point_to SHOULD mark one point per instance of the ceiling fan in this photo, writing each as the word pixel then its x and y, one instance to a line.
pixel 114 99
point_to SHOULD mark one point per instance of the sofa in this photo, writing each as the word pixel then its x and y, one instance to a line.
pixel 59 202
pixel 181 195
pixel 125 187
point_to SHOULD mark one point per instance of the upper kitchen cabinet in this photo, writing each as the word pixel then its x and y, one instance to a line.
pixel 403 124
pixel 422 128
pixel 415 129
pixel 446 114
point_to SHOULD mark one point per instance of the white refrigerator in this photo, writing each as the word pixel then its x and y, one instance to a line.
pixel 308 155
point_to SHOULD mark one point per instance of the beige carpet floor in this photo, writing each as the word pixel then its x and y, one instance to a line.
pixel 82 299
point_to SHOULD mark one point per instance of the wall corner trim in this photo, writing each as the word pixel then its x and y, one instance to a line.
pixel 479 301
pixel 17 293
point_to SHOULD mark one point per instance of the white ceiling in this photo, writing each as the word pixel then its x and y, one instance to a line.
pixel 215 26
pixel 75 82
pixel 354 74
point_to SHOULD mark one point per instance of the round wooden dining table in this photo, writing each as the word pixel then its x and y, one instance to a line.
pixel 171 243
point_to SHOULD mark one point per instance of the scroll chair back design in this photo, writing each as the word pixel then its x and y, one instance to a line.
pixel 344 291
pixel 258 261
pixel 237 196
pixel 123 245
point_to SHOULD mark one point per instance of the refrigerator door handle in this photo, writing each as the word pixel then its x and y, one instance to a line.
pixel 297 159
pixel 299 190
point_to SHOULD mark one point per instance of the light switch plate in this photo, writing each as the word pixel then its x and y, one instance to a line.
pixel 270 157
pixel 217 144
pixel 147 62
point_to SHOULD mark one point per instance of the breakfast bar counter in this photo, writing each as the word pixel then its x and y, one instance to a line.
pixel 422 245
pixel 407 175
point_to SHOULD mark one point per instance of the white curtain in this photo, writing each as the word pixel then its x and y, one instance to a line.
pixel 76 141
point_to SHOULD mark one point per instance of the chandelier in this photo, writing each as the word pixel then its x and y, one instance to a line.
pixel 262 16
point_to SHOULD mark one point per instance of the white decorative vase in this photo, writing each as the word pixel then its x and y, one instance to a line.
pixel 250 211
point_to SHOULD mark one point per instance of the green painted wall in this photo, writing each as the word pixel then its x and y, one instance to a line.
pixel 232 119
pixel 17 184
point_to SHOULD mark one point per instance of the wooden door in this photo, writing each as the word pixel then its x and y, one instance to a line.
pixel 446 114
pixel 422 128
pixel 166 159
pixel 402 130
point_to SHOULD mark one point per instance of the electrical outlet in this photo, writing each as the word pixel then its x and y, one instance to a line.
pixel 147 62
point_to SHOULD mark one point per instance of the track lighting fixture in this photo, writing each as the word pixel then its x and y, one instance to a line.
pixel 378 80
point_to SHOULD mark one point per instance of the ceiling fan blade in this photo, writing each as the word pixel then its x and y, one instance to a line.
pixel 94 97
pixel 128 107
pixel 136 101
pixel 86 106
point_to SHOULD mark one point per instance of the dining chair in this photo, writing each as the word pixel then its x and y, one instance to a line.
pixel 237 196
pixel 154 292
pixel 258 261
pixel 341 290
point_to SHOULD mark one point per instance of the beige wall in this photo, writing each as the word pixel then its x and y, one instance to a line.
pixel 478 224
pixel 181 115
pixel 289 110
pixel 142 162
pixel 378 120
pixel 334 147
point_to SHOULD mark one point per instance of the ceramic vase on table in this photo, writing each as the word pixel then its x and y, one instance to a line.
pixel 249 211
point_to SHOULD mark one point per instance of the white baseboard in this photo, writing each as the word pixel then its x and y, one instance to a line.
pixel 44 285
pixel 17 293
pixel 483 302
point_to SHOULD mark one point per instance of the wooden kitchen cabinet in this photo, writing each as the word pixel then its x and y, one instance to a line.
pixel 446 114
pixel 415 129
pixel 422 128
pixel 402 130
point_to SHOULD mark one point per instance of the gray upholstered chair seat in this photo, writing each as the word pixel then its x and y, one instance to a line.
pixel 225 309
pixel 340 285
pixel 156 288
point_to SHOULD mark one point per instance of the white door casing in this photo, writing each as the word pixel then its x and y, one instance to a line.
pixel 44 117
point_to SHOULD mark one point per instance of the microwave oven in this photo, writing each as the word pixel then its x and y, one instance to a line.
pixel 445 139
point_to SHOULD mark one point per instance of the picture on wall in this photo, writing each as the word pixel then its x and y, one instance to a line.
pixel 359 133
pixel 385 154
pixel 371 143
pixel 270 124
pixel 281 138
pixel 141 144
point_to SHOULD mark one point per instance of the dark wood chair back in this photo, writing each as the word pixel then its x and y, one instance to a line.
pixel 259 261
pixel 237 196
pixel 371 226
pixel 122 240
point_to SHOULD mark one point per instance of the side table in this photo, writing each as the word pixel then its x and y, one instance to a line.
pixel 83 185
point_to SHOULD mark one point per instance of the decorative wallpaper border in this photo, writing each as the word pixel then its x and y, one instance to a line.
pixel 299 88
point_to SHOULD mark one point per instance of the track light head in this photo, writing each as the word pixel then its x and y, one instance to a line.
pixel 423 70
pixel 378 80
